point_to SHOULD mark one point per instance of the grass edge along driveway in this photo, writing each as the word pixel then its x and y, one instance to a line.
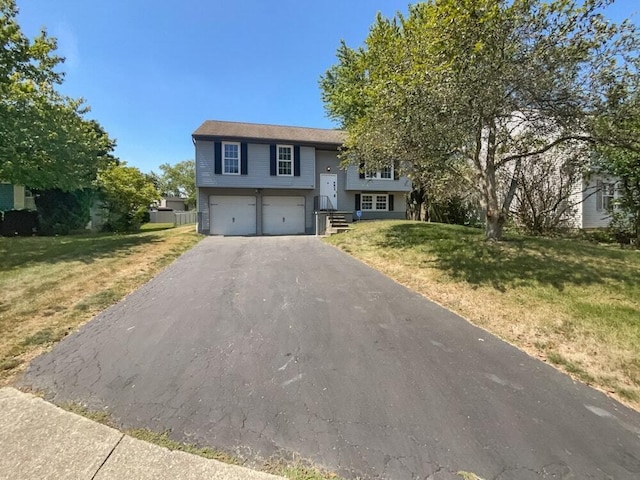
pixel 49 286
pixel 569 302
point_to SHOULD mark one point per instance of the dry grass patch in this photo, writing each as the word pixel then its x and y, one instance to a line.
pixel 289 466
pixel 51 285
pixel 569 302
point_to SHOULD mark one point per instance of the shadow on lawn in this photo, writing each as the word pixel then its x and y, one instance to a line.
pixel 465 255
pixel 20 252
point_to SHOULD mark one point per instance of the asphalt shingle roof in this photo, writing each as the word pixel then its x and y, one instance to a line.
pixel 258 131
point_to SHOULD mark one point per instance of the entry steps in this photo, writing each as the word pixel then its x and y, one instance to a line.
pixel 336 223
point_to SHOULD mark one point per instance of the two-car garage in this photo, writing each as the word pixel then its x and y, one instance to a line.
pixel 240 215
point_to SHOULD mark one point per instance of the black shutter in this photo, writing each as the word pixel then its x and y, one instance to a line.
pixel 296 161
pixel 357 201
pixel 391 203
pixel 217 158
pixel 244 168
pixel 396 172
pixel 361 170
pixel 274 164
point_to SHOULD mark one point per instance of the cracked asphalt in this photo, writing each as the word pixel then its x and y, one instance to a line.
pixel 262 346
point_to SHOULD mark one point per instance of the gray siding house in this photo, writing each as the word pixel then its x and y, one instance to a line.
pixel 256 179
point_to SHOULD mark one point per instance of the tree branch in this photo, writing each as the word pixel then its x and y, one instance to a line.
pixel 546 148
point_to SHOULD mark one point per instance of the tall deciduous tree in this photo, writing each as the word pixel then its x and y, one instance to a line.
pixel 45 140
pixel 622 158
pixel 485 84
pixel 126 194
pixel 178 180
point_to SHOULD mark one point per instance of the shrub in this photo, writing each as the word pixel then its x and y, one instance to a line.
pixel 596 235
pixel 19 222
pixel 455 210
pixel 126 194
pixel 623 228
pixel 59 213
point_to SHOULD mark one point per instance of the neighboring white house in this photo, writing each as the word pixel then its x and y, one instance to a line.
pixel 584 200
pixel 593 198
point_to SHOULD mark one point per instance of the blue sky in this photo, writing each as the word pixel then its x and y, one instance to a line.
pixel 153 71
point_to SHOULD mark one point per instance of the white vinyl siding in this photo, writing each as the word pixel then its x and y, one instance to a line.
pixel 592 213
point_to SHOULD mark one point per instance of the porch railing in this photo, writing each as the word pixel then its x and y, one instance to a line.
pixel 322 203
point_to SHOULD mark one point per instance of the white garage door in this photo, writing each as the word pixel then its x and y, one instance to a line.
pixel 232 215
pixel 282 215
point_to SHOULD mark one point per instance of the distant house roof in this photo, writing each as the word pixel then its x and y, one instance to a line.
pixel 211 129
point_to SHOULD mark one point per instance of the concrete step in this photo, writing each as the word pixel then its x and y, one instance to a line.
pixel 332 231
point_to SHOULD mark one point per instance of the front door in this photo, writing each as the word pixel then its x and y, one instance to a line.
pixel 328 191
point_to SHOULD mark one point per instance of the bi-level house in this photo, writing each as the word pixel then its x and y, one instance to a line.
pixel 256 179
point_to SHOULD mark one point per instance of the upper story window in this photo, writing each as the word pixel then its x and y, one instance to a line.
pixel 385 173
pixel 285 160
pixel 231 158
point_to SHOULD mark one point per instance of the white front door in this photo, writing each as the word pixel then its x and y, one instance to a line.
pixel 328 191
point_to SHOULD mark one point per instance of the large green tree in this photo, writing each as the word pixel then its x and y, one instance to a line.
pixel 45 140
pixel 178 180
pixel 622 157
pixel 126 194
pixel 476 87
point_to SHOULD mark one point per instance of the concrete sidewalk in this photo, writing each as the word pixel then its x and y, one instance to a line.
pixel 39 441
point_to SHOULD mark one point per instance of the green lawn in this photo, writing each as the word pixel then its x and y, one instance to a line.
pixel 572 303
pixel 50 285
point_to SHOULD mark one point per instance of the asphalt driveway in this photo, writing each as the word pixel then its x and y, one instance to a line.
pixel 269 345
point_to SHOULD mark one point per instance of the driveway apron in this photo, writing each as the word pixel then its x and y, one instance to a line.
pixel 281 345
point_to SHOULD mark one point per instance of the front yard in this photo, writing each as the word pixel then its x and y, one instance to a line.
pixel 51 285
pixel 569 302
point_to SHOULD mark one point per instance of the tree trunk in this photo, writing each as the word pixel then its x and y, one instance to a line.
pixel 495 214
pixel 494 226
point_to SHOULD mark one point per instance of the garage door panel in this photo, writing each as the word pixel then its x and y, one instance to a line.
pixel 232 215
pixel 283 215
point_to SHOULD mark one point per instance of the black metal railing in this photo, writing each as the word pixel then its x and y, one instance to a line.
pixel 322 203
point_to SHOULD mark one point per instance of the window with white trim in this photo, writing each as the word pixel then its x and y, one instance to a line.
pixel 374 202
pixel 608 195
pixel 385 173
pixel 285 160
pixel 231 158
